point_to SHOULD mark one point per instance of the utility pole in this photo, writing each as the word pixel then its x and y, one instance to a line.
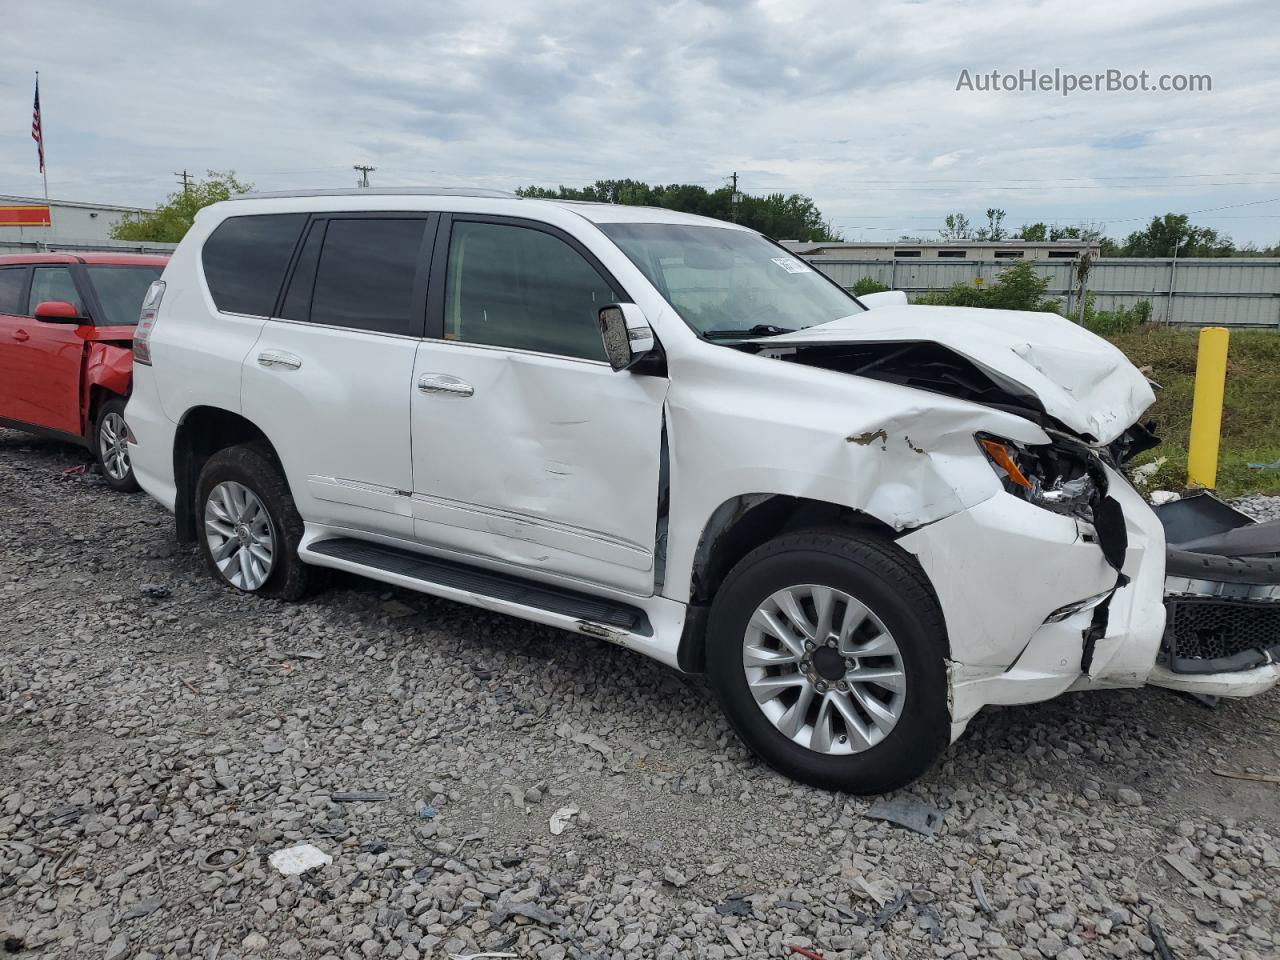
pixel 734 197
pixel 364 175
pixel 185 180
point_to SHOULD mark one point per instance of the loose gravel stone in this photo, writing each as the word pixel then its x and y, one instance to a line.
pixel 147 741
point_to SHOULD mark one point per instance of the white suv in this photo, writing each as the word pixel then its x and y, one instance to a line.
pixel 864 520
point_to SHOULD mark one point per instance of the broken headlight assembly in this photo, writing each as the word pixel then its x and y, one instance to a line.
pixel 1057 477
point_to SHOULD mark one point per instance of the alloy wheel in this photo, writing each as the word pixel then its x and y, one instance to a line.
pixel 114 447
pixel 824 669
pixel 240 536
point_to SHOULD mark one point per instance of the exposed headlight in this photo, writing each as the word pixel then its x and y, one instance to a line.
pixel 1056 477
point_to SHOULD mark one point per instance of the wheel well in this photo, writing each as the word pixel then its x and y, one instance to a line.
pixel 202 433
pixel 737 527
pixel 98 395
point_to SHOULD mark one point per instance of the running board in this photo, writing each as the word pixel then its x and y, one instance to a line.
pixel 567 609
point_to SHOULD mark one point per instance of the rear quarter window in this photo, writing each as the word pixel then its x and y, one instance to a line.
pixel 245 259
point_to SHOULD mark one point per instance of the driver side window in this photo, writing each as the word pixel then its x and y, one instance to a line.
pixel 53 283
pixel 519 287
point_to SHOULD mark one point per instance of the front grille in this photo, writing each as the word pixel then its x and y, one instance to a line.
pixel 1211 628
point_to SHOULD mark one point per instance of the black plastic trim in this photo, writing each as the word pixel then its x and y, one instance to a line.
pixel 487 583
pixel 47 432
pixel 1207 566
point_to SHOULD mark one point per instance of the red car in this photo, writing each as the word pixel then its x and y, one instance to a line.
pixel 66 348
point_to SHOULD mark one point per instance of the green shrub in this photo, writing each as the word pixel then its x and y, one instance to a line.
pixel 1109 322
pixel 868 285
pixel 1018 287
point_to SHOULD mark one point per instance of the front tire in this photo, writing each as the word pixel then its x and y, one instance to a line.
pixel 111 447
pixel 248 526
pixel 827 650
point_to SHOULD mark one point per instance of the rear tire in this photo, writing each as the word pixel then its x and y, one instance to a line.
pixel 248 526
pixel 111 448
pixel 875 716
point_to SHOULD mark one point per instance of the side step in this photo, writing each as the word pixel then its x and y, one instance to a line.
pixel 481 584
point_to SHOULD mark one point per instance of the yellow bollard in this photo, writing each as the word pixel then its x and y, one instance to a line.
pixel 1206 408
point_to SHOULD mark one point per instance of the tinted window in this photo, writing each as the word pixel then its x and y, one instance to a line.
pixel 54 283
pixel 366 273
pixel 120 291
pixel 523 288
pixel 245 260
pixel 13 281
pixel 297 302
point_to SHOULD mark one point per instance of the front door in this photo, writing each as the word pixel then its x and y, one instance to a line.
pixel 47 357
pixel 329 379
pixel 528 448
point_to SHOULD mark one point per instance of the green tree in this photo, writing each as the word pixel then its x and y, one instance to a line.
pixel 793 217
pixel 1163 234
pixel 957 227
pixel 993 230
pixel 170 221
pixel 1036 232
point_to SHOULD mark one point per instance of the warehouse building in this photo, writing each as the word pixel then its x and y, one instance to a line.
pixel 948 249
pixel 31 223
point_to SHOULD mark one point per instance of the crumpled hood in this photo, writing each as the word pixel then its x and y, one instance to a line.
pixel 1081 379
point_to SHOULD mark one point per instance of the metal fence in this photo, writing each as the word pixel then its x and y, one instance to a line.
pixel 83 246
pixel 1191 292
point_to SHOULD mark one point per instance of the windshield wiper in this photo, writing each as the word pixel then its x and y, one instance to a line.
pixel 759 330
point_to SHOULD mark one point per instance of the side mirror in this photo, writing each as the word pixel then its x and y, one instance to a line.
pixel 626 333
pixel 57 311
pixel 885 298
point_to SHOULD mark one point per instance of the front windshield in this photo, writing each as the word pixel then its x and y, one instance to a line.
pixel 121 290
pixel 730 283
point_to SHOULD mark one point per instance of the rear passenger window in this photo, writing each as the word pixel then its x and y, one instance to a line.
pixel 13 282
pixel 523 288
pixel 365 276
pixel 53 283
pixel 245 259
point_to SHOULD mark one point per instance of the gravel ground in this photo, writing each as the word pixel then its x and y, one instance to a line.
pixel 161 736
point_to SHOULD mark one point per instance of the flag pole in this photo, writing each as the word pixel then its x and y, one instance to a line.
pixel 44 161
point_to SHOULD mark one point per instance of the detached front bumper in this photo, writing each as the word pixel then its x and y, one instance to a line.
pixel 1222 589
pixel 1007 575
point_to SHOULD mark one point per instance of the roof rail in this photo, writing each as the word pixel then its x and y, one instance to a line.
pixel 378 191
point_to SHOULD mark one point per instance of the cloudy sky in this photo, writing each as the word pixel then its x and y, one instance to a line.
pixel 856 106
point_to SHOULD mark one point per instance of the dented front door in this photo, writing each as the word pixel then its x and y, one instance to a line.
pixel 550 463
pixel 528 448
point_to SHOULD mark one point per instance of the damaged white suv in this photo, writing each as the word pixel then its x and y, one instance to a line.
pixel 863 520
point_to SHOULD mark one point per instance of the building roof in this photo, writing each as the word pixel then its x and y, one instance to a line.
pixel 41 201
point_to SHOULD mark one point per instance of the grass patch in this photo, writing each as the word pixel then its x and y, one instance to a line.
pixel 1250 413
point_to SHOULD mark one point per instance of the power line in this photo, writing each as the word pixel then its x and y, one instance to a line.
pixel 364 174
pixel 185 181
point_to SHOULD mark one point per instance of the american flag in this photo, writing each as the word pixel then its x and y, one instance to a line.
pixel 36 135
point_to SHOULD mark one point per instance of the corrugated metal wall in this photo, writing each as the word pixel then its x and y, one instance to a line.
pixel 83 246
pixel 1206 292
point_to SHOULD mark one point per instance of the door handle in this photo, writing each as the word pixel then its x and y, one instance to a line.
pixel 444 385
pixel 279 359
pixel 21 336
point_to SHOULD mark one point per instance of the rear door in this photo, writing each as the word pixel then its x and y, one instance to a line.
pixel 14 282
pixel 329 377
pixel 48 356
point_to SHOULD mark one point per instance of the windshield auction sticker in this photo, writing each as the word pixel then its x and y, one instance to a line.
pixel 791 265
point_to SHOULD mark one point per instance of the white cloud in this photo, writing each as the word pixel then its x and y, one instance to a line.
pixel 861 112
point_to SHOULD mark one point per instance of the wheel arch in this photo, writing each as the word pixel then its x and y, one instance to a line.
pixel 202 432
pixel 738 526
